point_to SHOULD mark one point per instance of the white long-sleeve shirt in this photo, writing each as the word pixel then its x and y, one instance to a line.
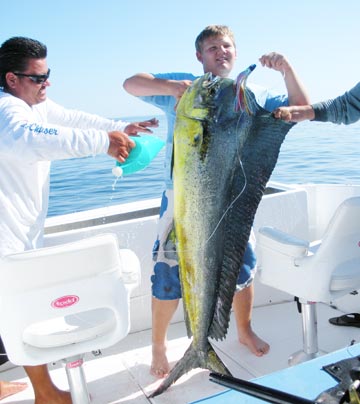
pixel 31 137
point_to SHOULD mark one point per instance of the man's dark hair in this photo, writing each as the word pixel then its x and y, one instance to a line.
pixel 15 54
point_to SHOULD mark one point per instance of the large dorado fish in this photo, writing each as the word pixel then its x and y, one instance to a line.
pixel 225 149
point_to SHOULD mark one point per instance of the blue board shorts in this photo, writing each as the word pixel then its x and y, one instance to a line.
pixel 165 278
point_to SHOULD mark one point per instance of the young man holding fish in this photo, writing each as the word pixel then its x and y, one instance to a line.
pixel 216 51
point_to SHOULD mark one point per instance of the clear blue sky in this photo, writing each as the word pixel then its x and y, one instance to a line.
pixel 93 45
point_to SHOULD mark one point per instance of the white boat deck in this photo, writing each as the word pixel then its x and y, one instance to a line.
pixel 121 373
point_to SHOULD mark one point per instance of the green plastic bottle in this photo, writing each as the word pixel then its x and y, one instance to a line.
pixel 145 150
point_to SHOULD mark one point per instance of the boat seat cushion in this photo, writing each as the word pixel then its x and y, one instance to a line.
pixel 70 329
pixel 284 243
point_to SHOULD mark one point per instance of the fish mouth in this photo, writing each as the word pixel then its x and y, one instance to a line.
pixel 210 80
pixel 202 91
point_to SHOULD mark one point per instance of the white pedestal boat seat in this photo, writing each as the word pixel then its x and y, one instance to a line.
pixel 320 271
pixel 58 303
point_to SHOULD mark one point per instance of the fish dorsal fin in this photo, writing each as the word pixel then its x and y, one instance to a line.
pixel 263 138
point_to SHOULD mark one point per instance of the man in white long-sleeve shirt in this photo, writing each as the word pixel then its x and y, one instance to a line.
pixel 34 131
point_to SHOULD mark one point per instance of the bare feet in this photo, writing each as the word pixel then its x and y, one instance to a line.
pixel 159 365
pixel 255 344
pixel 56 397
pixel 9 388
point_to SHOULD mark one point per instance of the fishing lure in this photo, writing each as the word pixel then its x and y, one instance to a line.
pixel 242 102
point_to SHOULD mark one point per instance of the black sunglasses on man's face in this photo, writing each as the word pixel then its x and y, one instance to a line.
pixel 36 78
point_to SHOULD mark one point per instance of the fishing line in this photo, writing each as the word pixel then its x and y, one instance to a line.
pixel 230 205
pixel 277 87
pixel 246 105
pixel 280 84
pixel 176 250
pixel 238 196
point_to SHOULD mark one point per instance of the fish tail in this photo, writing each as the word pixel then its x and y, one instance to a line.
pixel 192 359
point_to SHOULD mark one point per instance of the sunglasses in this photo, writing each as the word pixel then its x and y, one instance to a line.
pixel 36 78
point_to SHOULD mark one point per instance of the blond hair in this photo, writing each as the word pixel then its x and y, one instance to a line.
pixel 213 31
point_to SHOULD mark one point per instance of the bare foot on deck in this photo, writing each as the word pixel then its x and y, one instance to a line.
pixel 9 388
pixel 254 343
pixel 60 397
pixel 159 365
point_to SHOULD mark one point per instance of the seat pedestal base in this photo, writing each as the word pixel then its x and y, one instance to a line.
pixel 310 335
pixel 301 356
pixel 76 379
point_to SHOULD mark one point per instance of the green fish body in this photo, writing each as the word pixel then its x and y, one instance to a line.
pixel 222 162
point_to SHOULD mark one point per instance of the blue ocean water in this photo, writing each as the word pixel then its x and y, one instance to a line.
pixel 312 152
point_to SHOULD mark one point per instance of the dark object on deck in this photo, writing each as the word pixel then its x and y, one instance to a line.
pixel 256 390
pixel 346 372
pixel 347 320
